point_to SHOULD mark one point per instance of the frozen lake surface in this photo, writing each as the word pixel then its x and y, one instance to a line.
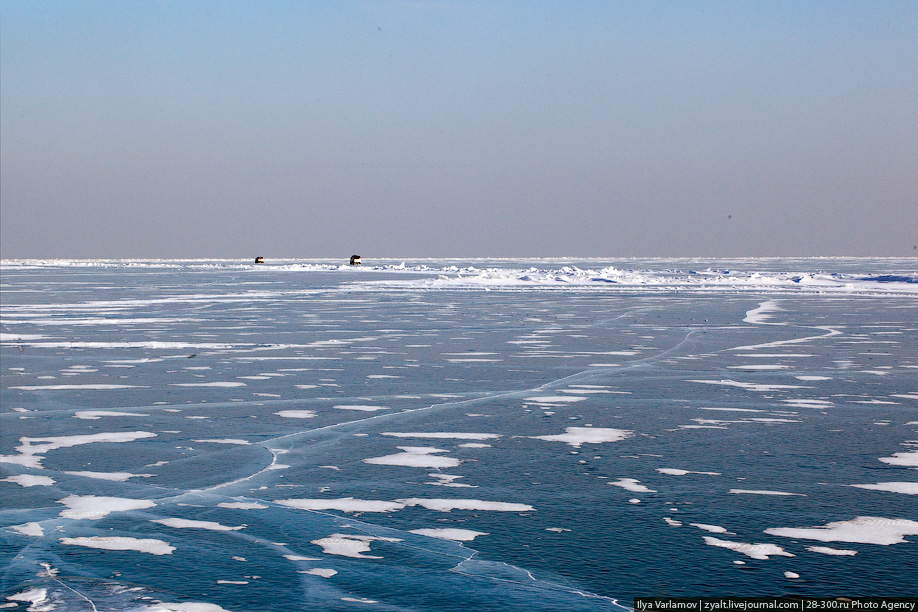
pixel 198 436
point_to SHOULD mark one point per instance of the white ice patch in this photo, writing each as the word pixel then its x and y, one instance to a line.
pixel 93 507
pixel 759 387
pixel 710 528
pixel 243 505
pixel 147 545
pixel 576 436
pixel 353 546
pixel 905 458
pixel 825 550
pixel 29 529
pixel 37 597
pixel 862 530
pixel 98 387
pixel 113 476
pixel 296 414
pixel 443 435
pixel 416 456
pixel 909 488
pixel 760 315
pixel 182 607
pixel 360 407
pixel 632 484
pixel 761 492
pixel 457 535
pixel 345 504
pixel 321 571
pixel 29 480
pixel 672 522
pixel 556 399
pixel 178 523
pixel 448 505
pixel 32 449
pixel 210 384
pixel 756 551
pixel 678 472
pixel 91 415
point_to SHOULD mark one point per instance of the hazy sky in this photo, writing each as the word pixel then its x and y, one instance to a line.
pixel 454 128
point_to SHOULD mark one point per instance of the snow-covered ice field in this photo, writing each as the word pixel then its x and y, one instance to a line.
pixel 541 434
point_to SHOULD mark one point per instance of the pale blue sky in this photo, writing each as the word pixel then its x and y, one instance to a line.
pixel 400 128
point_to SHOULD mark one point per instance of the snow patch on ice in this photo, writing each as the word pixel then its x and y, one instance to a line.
pixel 862 530
pixel 296 414
pixel 909 488
pixel 29 480
pixel 353 546
pixel 678 472
pixel 443 435
pixel 825 550
pixel 94 507
pixel 905 458
pixel 416 456
pixel 762 492
pixel 147 545
pixel 632 484
pixel 577 436
pixel 756 551
pixel 179 523
pixel 446 533
pixel 29 529
pixel 97 414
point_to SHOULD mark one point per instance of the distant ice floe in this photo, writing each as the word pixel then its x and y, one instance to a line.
pixel 146 545
pixel 224 441
pixel 610 278
pixel 577 436
pixel 863 530
pixel 457 535
pixel 909 488
pixel 756 551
